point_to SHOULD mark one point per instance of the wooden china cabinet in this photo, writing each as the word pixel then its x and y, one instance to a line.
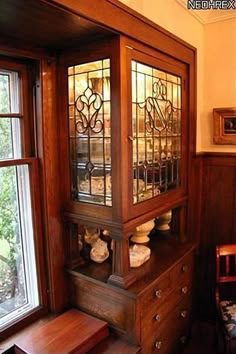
pixel 126 151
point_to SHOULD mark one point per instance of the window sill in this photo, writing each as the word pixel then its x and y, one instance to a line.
pixel 10 335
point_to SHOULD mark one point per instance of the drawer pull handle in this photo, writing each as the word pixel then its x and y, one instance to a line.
pixel 184 290
pixel 158 344
pixel 185 268
pixel 158 293
pixel 183 313
pixel 157 318
pixel 183 339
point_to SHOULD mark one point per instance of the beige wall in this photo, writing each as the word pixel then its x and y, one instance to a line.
pixel 220 76
pixel 213 90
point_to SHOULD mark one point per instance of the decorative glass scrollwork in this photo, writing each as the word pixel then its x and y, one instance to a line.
pixel 90 132
pixel 160 110
pixel 156 131
pixel 88 106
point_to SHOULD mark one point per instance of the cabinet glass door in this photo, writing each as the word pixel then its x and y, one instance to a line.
pixel 156 131
pixel 90 132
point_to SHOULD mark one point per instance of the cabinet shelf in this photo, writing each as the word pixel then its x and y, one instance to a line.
pixel 165 250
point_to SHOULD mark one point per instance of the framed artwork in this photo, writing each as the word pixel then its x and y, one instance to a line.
pixel 224 125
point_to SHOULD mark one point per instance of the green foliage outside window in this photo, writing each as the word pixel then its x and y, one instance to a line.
pixel 10 243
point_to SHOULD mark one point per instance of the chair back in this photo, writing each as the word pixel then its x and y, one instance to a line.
pixel 226 292
pixel 226 263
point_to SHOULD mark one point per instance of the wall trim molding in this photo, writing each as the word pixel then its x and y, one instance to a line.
pixel 215 154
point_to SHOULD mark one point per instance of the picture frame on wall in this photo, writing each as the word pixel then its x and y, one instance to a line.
pixel 224 121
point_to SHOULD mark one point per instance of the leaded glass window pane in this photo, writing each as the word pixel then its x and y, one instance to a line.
pixel 156 124
pixel 90 132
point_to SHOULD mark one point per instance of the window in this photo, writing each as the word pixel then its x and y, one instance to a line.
pixel 19 287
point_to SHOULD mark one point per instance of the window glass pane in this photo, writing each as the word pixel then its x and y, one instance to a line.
pixel 6 150
pixel 4 93
pixel 9 92
pixel 18 277
pixel 18 284
pixel 10 138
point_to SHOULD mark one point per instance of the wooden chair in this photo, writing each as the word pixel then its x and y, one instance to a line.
pixel 226 294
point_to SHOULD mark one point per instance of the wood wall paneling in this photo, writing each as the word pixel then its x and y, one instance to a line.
pixel 218 200
pixel 48 153
pixel 195 197
pixel 217 223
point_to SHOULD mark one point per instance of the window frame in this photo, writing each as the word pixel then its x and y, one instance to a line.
pixel 27 74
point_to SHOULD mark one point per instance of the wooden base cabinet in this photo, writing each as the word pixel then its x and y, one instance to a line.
pixel 155 312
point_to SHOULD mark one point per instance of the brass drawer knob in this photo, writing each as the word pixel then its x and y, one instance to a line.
pixel 158 344
pixel 185 268
pixel 158 293
pixel 184 290
pixel 183 314
pixel 183 339
pixel 157 318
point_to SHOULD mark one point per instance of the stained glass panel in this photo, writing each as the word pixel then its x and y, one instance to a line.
pixel 90 132
pixel 156 124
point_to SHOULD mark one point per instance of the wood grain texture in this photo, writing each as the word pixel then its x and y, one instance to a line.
pixel 55 28
pixel 50 179
pixel 114 345
pixel 130 312
pixel 219 200
pixel 217 224
pixel 71 332
pixel 109 13
pixel 109 303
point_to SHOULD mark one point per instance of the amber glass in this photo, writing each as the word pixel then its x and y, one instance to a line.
pixel 90 132
pixel 156 130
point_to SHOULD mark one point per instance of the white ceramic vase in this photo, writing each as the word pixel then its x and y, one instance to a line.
pixel 141 232
pixel 163 221
pixel 99 251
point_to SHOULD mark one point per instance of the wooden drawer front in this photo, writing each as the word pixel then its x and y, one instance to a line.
pixel 156 294
pixel 183 271
pixel 167 292
pixel 163 339
pixel 157 315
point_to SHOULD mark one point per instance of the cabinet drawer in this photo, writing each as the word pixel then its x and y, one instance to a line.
pixel 156 294
pixel 162 339
pixel 157 315
pixel 167 292
pixel 183 271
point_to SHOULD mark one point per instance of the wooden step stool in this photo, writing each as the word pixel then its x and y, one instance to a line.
pixel 71 332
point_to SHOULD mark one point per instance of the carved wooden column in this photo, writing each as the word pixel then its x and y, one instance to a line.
pixel 121 275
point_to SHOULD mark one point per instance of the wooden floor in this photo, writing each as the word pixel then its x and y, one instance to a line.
pixel 204 339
